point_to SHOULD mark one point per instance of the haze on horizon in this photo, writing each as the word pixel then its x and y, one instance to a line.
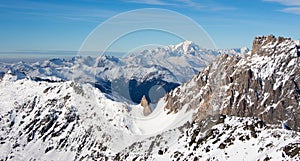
pixel 62 26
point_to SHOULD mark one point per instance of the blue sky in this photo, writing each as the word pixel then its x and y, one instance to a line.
pixel 27 25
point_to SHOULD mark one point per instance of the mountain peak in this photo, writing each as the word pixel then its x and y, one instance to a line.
pixel 186 47
pixel 262 43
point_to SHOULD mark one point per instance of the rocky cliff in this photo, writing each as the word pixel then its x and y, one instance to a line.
pixel 264 83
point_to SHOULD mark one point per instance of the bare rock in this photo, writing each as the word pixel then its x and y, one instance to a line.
pixel 145 104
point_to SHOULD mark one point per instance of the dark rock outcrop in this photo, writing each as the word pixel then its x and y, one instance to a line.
pixel 261 41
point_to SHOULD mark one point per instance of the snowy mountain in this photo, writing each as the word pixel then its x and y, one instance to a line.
pixel 131 76
pixel 263 83
pixel 231 110
pixel 238 103
pixel 69 121
pixel 66 121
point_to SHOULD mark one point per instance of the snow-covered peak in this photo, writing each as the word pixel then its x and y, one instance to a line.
pixel 297 42
pixel 185 47
pixel 107 60
pixel 56 61
pixel 244 50
pixel 9 71
pixel 11 75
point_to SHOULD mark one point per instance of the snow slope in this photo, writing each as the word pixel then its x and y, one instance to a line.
pixel 228 138
pixel 68 121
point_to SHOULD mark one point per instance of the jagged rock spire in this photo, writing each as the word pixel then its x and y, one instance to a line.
pixel 260 42
pixel 145 104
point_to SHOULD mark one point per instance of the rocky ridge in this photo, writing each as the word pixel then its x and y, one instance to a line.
pixel 218 138
pixel 264 84
pixel 59 121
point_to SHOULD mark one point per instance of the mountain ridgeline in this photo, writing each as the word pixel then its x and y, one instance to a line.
pixel 264 83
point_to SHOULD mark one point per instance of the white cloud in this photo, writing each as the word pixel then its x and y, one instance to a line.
pixel 294 10
pixel 150 2
pixel 183 4
pixel 286 2
pixel 190 3
pixel 293 5
pixel 34 10
pixel 175 3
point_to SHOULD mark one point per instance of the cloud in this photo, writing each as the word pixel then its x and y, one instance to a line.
pixel 286 2
pixel 293 5
pixel 150 2
pixel 175 3
pixel 192 4
pixel 294 10
pixel 36 10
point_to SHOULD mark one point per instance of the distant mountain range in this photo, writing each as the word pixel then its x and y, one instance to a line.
pixel 130 77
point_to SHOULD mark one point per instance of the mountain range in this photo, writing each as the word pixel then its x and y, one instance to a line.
pixel 214 105
pixel 127 77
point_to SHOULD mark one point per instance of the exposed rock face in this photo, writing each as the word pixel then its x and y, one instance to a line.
pixel 270 41
pixel 262 84
pixel 145 104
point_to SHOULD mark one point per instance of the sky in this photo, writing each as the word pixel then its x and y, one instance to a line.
pixel 64 25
